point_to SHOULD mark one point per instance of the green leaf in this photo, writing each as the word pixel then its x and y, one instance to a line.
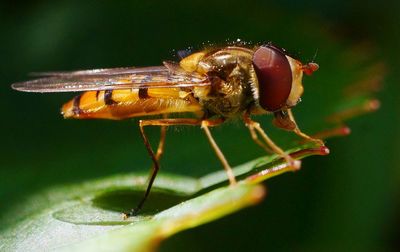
pixel 87 217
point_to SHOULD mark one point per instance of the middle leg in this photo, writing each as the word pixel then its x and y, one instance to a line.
pixel 220 155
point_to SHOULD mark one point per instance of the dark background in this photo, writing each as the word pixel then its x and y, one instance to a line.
pixel 347 200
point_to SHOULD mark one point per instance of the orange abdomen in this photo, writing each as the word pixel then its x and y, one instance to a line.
pixel 126 103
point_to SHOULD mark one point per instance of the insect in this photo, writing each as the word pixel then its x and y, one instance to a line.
pixel 214 85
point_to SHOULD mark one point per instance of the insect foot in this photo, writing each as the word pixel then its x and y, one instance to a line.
pixel 295 164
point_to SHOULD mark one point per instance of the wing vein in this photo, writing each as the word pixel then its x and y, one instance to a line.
pixel 112 78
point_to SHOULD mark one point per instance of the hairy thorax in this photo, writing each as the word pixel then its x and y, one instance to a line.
pixel 229 71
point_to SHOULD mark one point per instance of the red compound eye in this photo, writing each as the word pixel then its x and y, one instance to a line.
pixel 274 77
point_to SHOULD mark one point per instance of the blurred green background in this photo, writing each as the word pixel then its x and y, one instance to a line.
pixel 347 200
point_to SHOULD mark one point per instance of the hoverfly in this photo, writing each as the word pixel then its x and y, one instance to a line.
pixel 214 84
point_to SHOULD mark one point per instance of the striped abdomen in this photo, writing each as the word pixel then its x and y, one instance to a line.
pixel 126 103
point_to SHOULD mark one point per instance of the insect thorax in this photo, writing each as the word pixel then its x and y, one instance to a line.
pixel 229 72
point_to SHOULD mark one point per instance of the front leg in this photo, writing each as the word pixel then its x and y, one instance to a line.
pixel 254 136
pixel 252 125
pixel 301 134
pixel 284 119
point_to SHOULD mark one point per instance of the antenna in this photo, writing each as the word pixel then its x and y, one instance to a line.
pixel 315 55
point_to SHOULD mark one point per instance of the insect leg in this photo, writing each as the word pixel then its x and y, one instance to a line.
pixel 254 136
pixel 155 158
pixel 155 167
pixel 256 126
pixel 298 132
pixel 161 143
pixel 220 155
pixel 163 123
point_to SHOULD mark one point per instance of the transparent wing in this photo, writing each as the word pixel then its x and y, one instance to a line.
pixel 167 76
pixel 103 71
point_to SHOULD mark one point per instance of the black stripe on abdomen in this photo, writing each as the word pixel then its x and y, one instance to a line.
pixel 108 97
pixel 143 93
pixel 75 105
